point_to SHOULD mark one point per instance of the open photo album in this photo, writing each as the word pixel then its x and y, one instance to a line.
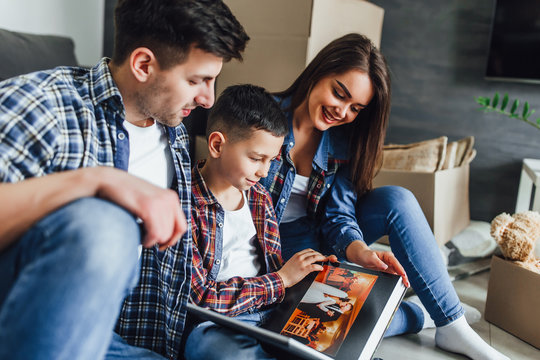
pixel 341 312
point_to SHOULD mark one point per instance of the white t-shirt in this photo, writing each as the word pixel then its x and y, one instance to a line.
pixel 149 154
pixel 239 252
pixel 297 205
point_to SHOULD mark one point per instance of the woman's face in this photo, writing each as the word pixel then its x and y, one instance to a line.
pixel 337 99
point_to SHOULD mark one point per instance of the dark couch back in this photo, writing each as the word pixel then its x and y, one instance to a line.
pixel 22 53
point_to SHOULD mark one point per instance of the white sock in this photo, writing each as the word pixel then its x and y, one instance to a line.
pixel 460 338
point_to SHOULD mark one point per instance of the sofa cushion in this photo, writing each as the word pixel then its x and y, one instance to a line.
pixel 22 53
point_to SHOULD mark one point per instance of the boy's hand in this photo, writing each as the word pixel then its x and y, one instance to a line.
pixel 301 264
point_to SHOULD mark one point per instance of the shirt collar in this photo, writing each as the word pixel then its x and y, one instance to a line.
pixel 103 87
pixel 200 193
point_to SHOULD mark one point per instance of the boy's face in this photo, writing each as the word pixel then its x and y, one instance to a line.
pixel 242 163
pixel 172 94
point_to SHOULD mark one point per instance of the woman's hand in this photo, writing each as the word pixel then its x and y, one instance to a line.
pixel 359 253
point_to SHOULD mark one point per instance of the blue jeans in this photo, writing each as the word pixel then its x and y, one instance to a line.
pixel 63 282
pixel 119 349
pixel 394 211
pixel 209 341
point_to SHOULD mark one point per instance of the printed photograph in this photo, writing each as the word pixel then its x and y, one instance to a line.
pixel 328 309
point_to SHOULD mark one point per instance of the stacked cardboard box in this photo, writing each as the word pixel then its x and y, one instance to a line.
pixel 287 34
pixel 437 173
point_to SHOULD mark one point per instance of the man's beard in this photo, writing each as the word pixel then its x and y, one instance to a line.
pixel 143 101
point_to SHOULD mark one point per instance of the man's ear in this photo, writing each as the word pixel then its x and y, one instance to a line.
pixel 216 140
pixel 143 63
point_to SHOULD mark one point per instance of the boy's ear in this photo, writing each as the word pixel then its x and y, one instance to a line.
pixel 216 140
pixel 142 62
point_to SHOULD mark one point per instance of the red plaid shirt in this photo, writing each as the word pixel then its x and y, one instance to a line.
pixel 236 295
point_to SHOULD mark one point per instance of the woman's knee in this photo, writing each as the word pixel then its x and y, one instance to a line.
pixel 393 197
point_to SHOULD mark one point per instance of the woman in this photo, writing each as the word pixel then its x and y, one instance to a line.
pixel 321 185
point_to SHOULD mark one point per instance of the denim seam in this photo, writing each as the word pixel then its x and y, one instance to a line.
pixel 449 319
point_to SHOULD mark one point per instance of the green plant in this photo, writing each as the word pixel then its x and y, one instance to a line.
pixel 488 104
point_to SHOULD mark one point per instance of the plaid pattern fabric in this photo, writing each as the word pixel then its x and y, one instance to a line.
pixel 236 295
pixel 57 120
pixel 69 118
pixel 153 315
pixel 317 183
pixel 329 157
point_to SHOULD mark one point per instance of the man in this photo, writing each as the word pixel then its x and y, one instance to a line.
pixel 71 217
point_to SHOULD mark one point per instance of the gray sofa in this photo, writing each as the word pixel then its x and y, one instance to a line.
pixel 22 53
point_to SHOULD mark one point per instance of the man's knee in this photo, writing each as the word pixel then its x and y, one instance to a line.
pixel 101 236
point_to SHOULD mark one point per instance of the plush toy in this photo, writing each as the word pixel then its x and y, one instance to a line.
pixel 517 236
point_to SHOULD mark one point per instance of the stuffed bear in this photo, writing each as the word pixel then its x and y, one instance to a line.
pixel 517 236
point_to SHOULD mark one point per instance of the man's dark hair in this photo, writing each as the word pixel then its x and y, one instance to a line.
pixel 242 109
pixel 169 28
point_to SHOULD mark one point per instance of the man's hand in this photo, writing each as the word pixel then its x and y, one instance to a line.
pixel 27 201
pixel 301 264
pixel 359 253
pixel 158 208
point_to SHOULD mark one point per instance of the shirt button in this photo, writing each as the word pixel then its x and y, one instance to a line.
pixel 291 144
pixel 274 299
pixel 328 186
pixel 318 186
pixel 121 136
pixel 220 225
pixel 282 200
pixel 292 169
pixel 218 262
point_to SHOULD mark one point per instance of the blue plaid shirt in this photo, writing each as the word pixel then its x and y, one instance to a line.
pixel 69 118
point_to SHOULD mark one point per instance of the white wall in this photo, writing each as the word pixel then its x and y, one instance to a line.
pixel 82 20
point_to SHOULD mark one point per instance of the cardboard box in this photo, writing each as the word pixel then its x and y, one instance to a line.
pixel 513 300
pixel 287 34
pixel 443 196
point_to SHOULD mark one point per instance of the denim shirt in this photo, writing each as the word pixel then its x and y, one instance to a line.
pixel 328 178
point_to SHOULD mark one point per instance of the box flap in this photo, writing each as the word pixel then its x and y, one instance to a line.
pixel 331 19
pixel 273 17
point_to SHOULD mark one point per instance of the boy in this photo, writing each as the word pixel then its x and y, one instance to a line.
pixel 237 265
pixel 71 141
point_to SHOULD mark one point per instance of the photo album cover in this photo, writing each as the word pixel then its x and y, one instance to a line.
pixel 341 312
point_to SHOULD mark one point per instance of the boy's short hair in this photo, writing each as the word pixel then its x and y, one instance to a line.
pixel 241 109
pixel 169 28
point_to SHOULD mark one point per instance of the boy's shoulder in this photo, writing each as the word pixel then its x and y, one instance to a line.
pixel 260 190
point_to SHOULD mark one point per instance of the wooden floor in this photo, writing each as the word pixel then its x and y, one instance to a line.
pixel 472 291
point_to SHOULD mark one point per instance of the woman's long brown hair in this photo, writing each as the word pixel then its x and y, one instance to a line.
pixel 353 52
